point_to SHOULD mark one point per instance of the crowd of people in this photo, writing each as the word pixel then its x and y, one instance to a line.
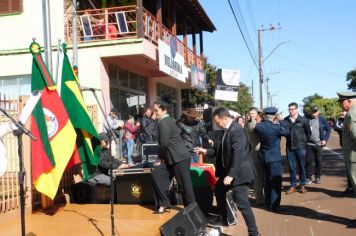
pixel 248 152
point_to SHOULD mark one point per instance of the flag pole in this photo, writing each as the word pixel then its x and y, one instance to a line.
pixel 75 34
pixel 57 65
pixel 47 34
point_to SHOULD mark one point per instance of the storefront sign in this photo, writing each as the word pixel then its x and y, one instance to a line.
pixel 171 62
pixel 227 85
pixel 198 78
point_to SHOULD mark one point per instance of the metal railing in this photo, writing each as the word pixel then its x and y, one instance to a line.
pixel 120 23
pixel 9 182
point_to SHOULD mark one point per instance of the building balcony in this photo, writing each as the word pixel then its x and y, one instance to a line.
pixel 126 22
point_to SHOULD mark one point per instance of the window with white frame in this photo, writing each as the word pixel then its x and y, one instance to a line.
pixel 15 86
pixel 128 91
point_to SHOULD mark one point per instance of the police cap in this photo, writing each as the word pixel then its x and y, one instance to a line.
pixel 270 110
pixel 346 95
pixel 314 109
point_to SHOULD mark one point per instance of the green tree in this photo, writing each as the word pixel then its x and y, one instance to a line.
pixel 351 77
pixel 328 107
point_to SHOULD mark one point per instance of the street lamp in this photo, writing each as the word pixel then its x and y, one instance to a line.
pixel 274 49
pixel 260 67
pixel 267 85
pixel 260 61
pixel 273 95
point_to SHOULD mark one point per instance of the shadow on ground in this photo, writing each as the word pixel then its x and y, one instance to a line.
pixel 312 214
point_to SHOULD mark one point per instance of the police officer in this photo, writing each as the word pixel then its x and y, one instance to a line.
pixel 270 132
pixel 348 103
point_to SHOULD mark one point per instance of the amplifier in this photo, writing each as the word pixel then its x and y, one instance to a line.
pixel 134 186
pixel 149 152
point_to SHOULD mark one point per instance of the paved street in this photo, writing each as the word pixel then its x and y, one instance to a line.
pixel 323 210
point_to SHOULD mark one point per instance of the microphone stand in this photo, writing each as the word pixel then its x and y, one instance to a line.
pixel 20 130
pixel 113 136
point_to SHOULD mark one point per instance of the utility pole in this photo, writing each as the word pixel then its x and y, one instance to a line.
pixel 268 88
pixel 75 34
pixel 260 61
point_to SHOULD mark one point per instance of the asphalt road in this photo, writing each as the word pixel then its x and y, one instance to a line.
pixel 324 210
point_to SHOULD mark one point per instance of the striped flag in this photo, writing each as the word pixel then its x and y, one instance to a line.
pixel 88 144
pixel 50 123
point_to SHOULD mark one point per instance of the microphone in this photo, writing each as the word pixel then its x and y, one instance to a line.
pixel 82 88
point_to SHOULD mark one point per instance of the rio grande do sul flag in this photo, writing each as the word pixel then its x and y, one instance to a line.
pixel 54 131
pixel 88 144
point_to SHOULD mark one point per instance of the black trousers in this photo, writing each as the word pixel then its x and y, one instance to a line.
pixel 240 195
pixel 314 154
pixel 162 175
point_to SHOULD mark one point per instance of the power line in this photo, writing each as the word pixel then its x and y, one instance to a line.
pixel 252 18
pixel 238 24
pixel 244 27
pixel 307 66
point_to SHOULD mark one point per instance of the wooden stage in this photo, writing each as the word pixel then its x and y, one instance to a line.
pixel 89 219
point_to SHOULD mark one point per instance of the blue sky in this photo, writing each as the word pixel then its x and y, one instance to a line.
pixel 321 46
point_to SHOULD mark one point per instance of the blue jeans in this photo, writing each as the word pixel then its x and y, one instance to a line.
pixel 129 147
pixel 294 157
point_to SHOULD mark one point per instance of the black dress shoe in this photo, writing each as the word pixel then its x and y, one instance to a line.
pixel 218 222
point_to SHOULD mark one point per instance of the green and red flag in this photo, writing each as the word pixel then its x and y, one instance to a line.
pixel 203 175
pixel 56 137
pixel 87 144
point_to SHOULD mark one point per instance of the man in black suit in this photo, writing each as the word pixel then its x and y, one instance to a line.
pixel 175 160
pixel 234 168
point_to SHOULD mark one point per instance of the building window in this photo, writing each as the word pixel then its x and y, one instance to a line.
pixel 11 7
pixel 163 89
pixel 15 86
pixel 128 91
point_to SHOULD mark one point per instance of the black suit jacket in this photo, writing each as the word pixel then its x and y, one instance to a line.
pixel 233 156
pixel 171 145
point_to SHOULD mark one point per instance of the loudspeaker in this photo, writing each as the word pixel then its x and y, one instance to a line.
pixel 188 222
pixel 134 186
pixel 85 192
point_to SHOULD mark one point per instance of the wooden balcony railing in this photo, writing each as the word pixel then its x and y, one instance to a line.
pixel 120 23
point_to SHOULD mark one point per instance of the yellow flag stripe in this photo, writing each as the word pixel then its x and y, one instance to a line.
pixel 72 85
pixel 87 139
pixel 62 147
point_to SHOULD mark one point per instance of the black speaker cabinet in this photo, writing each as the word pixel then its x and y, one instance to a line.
pixel 85 192
pixel 188 222
pixel 134 186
